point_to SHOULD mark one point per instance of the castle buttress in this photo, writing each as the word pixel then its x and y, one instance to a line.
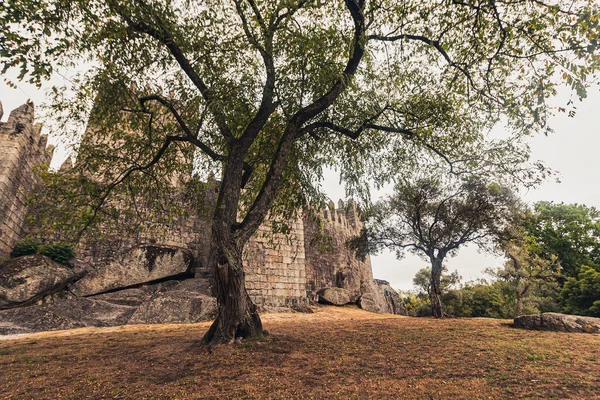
pixel 22 150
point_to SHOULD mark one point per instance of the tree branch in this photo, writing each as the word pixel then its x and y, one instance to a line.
pixel 125 174
pixel 163 36
pixel 260 207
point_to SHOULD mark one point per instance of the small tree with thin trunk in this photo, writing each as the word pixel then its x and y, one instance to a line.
pixel 525 269
pixel 432 217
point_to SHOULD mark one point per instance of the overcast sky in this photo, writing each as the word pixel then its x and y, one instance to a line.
pixel 572 150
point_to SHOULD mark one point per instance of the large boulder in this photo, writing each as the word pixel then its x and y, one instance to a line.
pixel 558 323
pixel 382 299
pixel 92 312
pixel 26 279
pixel 176 307
pixel 34 319
pixel 335 296
pixel 141 264
pixel 184 302
pixel 127 297
pixel 65 314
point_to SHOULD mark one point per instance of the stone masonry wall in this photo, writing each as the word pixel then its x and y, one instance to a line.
pixel 275 267
pixel 329 263
pixel 22 149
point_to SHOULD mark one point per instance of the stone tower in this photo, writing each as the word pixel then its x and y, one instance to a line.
pixel 22 150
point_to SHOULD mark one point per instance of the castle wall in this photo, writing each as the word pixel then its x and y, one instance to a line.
pixel 329 263
pixel 22 149
pixel 282 270
pixel 275 267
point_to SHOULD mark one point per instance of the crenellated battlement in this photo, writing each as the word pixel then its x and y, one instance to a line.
pixel 23 149
pixel 345 215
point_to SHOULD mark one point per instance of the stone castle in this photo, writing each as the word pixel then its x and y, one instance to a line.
pixel 283 271
pixel 22 149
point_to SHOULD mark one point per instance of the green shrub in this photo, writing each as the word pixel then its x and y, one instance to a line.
pixel 59 252
pixel 25 248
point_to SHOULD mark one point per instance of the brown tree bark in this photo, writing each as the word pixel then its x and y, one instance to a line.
pixel 237 315
pixel 435 292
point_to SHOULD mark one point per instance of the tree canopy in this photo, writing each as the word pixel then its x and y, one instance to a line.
pixel 571 232
pixel 433 217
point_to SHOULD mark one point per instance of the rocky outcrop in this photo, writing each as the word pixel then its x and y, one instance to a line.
pixel 188 301
pixel 66 314
pixel 34 319
pixel 334 296
pixel 558 323
pixel 24 280
pixel 382 299
pixel 178 306
pixel 139 265
pixel 92 312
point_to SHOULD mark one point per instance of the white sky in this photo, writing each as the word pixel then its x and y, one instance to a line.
pixel 573 150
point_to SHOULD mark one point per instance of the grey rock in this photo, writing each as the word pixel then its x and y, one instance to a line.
pixel 139 265
pixel 26 279
pixel 34 319
pixel 334 296
pixel 558 323
pixel 127 297
pixel 382 299
pixel 66 314
pixel 373 302
pixel 176 307
pixel 92 312
pixel 198 285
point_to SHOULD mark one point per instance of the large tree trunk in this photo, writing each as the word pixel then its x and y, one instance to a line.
pixel 237 315
pixel 435 292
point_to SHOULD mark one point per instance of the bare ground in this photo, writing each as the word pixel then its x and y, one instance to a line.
pixel 334 353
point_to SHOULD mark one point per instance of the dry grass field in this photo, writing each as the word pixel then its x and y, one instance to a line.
pixel 335 353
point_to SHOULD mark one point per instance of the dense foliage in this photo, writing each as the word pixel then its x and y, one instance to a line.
pixel 537 244
pixel 486 298
pixel 556 252
pixel 571 232
pixel 581 294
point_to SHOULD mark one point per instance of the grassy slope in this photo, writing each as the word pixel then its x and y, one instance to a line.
pixel 335 353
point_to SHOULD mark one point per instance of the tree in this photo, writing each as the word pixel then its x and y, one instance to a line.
pixel 479 299
pixel 432 218
pixel 525 269
pixel 422 281
pixel 268 92
pixel 571 232
pixel 581 294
